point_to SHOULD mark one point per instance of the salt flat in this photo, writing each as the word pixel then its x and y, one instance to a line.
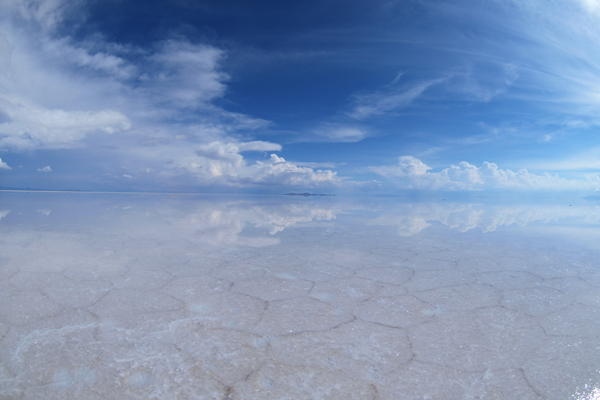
pixel 106 296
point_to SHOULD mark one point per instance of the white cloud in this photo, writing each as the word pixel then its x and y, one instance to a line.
pixel 258 146
pixel 221 163
pixel 412 173
pixel 278 171
pixel 49 100
pixel 224 164
pixel 369 105
pixel 482 86
pixel 473 84
pixel 187 74
pixel 4 165
pixel 46 12
pixel 557 54
pixel 592 6
pixel 314 164
pixel 407 166
pixel 45 169
pixel 33 126
pixel 111 64
pixel 61 93
pixel 57 91
pixel 343 134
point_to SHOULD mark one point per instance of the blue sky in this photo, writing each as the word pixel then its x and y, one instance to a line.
pixel 326 96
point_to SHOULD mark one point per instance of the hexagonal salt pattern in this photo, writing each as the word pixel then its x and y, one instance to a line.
pixel 214 297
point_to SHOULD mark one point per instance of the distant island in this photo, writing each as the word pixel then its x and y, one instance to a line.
pixel 308 194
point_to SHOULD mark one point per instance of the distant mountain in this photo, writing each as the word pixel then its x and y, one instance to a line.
pixel 308 194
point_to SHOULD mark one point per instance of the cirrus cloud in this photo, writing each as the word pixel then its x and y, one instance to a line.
pixel 341 134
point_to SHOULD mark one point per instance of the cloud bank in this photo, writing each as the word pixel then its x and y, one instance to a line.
pixel 153 110
pixel 153 105
pixel 221 163
pixel 411 172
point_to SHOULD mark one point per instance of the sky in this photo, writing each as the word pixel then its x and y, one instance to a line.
pixel 327 96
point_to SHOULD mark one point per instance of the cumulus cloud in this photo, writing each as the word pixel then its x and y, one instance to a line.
pixel 221 163
pixel 45 169
pixel 407 166
pixel 279 171
pixel 413 173
pixel 4 165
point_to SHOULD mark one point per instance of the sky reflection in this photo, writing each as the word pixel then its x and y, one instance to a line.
pixel 128 294
pixel 222 219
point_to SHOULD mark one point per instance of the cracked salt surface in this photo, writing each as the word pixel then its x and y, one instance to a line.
pixel 215 297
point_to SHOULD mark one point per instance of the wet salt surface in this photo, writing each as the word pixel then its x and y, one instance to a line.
pixel 214 297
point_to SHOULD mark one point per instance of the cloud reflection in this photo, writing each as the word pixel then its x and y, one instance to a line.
pixel 4 213
pixel 411 219
pixel 245 223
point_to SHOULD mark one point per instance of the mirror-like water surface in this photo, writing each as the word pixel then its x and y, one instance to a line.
pixel 278 297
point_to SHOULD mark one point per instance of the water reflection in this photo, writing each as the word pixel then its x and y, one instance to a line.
pixel 206 220
pixel 410 219
pixel 130 296
pixel 223 223
pixel 256 220
pixel 4 213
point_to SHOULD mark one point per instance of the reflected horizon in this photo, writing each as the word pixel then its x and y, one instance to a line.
pixel 410 216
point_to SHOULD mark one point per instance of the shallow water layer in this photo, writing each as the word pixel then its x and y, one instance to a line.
pixel 277 297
